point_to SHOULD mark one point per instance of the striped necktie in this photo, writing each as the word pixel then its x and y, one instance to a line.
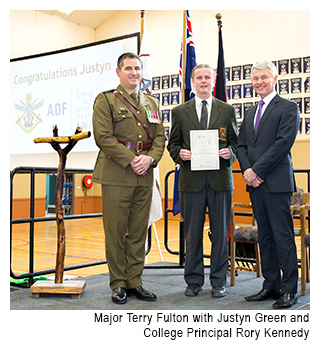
pixel 204 115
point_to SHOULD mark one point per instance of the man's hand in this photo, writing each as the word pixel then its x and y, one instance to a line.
pixel 251 178
pixel 185 155
pixel 140 164
pixel 224 153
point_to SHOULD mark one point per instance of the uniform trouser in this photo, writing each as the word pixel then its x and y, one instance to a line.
pixel 276 240
pixel 193 206
pixel 125 219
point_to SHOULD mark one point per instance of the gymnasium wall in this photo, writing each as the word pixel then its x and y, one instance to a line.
pixel 33 32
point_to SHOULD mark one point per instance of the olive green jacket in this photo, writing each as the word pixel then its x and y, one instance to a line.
pixel 114 122
pixel 184 119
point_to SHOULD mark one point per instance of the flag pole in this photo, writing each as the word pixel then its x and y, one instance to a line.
pixel 218 17
pixel 184 38
pixel 220 91
pixel 142 25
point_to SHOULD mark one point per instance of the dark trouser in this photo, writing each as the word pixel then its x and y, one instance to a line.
pixel 276 240
pixel 125 219
pixel 193 207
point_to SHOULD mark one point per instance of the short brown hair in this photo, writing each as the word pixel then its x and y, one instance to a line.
pixel 124 56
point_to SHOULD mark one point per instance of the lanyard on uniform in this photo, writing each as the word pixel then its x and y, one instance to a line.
pixel 134 111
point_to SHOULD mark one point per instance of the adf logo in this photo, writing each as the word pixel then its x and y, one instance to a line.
pixel 28 120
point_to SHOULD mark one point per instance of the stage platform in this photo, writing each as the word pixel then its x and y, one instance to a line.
pixel 167 284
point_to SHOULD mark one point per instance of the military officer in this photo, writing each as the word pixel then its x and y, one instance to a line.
pixel 128 130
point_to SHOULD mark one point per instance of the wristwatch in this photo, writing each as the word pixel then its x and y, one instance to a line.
pixel 153 162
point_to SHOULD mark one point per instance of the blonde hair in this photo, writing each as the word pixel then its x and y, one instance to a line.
pixel 201 66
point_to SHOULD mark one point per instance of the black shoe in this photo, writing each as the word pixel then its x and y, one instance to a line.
pixel 218 292
pixel 142 294
pixel 263 295
pixel 285 301
pixel 193 289
pixel 119 295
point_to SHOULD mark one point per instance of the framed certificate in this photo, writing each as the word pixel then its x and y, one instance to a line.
pixel 204 146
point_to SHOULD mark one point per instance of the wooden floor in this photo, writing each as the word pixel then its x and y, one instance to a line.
pixel 85 243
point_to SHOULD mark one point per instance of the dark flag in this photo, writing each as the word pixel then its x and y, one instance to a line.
pixel 220 91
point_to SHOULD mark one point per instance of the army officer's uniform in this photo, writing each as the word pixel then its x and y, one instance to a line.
pixel 126 196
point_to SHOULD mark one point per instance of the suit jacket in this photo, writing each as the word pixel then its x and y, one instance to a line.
pixel 114 122
pixel 268 153
pixel 184 119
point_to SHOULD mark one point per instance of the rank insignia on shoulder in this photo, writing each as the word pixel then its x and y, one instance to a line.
pixel 154 117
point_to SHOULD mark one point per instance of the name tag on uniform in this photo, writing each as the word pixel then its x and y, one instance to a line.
pixel 154 117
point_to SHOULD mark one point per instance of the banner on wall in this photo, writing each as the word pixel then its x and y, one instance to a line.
pixel 59 88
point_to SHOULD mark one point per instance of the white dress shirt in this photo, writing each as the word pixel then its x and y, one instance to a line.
pixel 199 107
pixel 267 101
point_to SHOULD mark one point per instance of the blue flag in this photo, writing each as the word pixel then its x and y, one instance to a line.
pixel 190 60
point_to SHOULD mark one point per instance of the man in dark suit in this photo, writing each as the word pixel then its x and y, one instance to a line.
pixel 265 140
pixel 201 189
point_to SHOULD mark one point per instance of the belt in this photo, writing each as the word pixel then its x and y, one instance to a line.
pixel 137 146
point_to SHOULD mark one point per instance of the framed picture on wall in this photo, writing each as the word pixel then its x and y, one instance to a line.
pixel 238 110
pixel 227 69
pixel 283 86
pixel 165 83
pixel 296 65
pixel 236 73
pixel 307 126
pixel 247 90
pixel 296 85
pixel 155 83
pixel 283 66
pixel 165 98
pixel 175 97
pixel 299 103
pixel 246 71
pixel 165 116
pixel 307 85
pixel 306 64
pixel 236 91
pixel 175 80
pixel 306 105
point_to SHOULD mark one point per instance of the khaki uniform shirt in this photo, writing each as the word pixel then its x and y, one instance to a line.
pixel 114 122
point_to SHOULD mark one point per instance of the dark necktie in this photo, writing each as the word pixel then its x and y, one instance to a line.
pixel 258 118
pixel 204 115
pixel 135 98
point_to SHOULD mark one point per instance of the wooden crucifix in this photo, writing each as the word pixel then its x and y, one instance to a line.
pixel 76 287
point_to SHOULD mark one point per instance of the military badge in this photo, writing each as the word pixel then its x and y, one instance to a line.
pixel 29 119
pixel 153 117
pixel 223 133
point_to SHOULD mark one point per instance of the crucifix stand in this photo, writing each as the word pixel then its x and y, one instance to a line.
pixel 75 288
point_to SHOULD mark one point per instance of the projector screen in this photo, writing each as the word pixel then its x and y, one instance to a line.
pixel 59 88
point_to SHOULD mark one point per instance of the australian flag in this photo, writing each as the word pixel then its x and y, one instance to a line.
pixel 190 63
pixel 190 58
